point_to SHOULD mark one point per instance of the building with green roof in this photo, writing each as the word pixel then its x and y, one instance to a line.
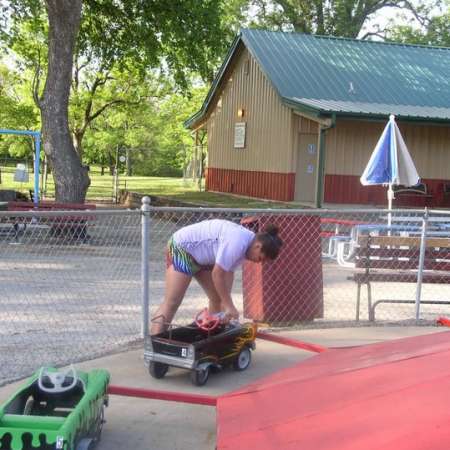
pixel 295 117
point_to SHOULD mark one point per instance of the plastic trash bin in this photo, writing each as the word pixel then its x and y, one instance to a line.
pixel 289 289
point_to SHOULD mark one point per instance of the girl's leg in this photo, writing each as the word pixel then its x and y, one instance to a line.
pixel 204 278
pixel 175 288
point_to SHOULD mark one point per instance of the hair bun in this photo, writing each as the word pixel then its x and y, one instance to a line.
pixel 271 229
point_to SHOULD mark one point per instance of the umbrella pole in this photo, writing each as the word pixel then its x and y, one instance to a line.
pixel 390 195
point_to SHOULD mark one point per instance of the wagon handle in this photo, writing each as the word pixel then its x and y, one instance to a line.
pixel 170 325
pixel 156 319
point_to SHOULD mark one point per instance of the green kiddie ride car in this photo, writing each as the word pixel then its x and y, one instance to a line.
pixel 55 410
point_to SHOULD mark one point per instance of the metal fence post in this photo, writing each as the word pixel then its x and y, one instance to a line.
pixel 421 262
pixel 145 254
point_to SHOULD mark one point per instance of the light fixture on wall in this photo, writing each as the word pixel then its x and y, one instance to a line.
pixel 241 112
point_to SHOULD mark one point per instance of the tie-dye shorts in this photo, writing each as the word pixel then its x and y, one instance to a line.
pixel 181 260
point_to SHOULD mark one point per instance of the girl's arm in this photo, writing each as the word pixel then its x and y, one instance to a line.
pixel 223 282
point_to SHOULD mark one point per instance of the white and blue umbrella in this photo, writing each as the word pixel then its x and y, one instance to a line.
pixel 390 163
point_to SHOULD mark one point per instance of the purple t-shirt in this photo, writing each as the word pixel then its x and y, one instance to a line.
pixel 215 242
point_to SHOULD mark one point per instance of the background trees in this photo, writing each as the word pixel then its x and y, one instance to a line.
pixel 131 71
pixel 102 38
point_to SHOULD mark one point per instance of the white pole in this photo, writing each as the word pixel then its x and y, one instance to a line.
pixel 390 195
pixel 421 263
pixel 145 267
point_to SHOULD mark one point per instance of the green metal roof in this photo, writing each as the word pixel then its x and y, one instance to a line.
pixel 349 77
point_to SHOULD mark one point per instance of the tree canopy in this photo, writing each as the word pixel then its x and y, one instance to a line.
pixel 345 18
pixel 177 38
pixel 131 71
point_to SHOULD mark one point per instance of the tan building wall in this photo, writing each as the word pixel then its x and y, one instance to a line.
pixel 348 149
pixel 269 139
pixel 271 166
pixel 350 144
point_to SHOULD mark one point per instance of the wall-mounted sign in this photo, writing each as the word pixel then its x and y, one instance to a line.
pixel 310 168
pixel 239 134
pixel 312 149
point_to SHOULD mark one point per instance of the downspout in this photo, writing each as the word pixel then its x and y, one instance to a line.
pixel 321 164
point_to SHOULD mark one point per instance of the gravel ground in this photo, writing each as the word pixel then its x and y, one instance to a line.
pixel 65 301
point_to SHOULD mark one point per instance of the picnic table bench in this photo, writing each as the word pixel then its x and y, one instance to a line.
pixel 395 259
pixel 75 225
pixel 336 230
pixel 413 195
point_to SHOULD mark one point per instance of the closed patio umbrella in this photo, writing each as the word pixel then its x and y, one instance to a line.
pixel 390 163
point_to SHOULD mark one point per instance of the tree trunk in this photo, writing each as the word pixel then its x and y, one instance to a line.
pixel 111 164
pixel 71 178
pixel 128 163
pixel 78 137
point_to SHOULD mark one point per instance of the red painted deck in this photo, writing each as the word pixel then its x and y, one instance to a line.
pixel 391 395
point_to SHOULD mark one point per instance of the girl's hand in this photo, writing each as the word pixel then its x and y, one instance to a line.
pixel 231 313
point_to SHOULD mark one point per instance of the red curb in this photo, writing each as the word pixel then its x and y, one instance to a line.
pixel 291 342
pixel 443 321
pixel 195 399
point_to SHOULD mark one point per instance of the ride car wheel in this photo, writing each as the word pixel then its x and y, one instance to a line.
pixel 85 444
pixel 157 369
pixel 199 377
pixel 243 360
pixel 28 408
pixel 99 424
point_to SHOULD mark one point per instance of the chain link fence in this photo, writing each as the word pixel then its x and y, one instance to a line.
pixel 69 287
pixel 329 272
pixel 72 286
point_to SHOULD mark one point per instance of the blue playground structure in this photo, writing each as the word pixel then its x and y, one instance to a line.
pixel 37 139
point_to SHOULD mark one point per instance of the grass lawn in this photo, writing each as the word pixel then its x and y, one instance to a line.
pixel 188 191
pixel 183 190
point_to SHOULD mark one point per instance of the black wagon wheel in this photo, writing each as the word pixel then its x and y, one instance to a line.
pixel 98 427
pixel 243 360
pixel 158 369
pixel 85 444
pixel 199 377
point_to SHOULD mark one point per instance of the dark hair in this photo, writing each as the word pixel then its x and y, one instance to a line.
pixel 271 243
